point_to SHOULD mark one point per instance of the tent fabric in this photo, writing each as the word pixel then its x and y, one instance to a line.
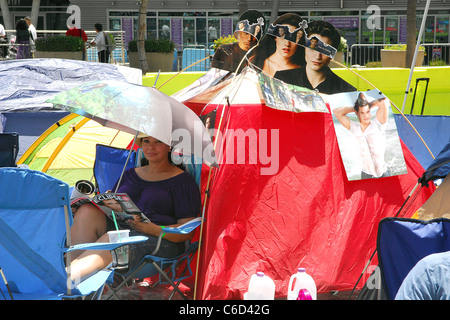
pixel 26 85
pixel 30 125
pixel 403 242
pixel 305 214
pixel 427 126
pixel 440 167
pixel 437 205
pixel 67 149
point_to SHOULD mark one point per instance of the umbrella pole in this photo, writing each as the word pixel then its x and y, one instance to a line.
pixel 126 162
pixel 156 80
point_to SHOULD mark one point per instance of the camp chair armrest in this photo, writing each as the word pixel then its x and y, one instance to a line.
pixel 184 228
pixel 105 245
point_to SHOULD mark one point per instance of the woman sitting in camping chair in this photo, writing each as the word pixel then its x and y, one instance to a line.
pixel 166 194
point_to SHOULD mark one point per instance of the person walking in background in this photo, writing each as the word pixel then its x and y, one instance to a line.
pixel 74 32
pixel 100 42
pixel 33 34
pixel 23 40
pixel 3 41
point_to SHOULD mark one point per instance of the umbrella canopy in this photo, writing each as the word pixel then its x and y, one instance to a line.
pixel 134 108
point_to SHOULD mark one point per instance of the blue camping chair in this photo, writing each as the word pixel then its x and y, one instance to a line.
pixel 9 148
pixel 402 242
pixel 108 165
pixel 35 217
pixel 151 265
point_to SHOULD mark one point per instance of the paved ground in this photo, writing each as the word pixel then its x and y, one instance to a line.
pixel 141 292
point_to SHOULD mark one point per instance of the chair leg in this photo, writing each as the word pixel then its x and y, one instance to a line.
pixel 115 290
pixel 175 286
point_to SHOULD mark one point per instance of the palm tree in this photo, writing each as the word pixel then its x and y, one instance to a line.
pixel 142 32
pixel 411 31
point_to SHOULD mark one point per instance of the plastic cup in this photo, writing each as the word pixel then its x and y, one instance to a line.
pixel 120 255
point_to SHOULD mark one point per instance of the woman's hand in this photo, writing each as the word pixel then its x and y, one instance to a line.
pixel 145 228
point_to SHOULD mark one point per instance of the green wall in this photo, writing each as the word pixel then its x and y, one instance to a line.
pixel 391 81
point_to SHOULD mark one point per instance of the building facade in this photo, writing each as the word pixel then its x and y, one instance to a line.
pixel 200 22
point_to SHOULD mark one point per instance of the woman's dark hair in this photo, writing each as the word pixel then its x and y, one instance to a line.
pixel 324 29
pixel 22 32
pixel 98 26
pixel 267 45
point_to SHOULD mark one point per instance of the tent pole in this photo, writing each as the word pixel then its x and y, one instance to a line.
pixel 204 202
pixel 6 283
pixel 422 28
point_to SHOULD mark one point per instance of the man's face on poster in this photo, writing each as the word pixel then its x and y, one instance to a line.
pixel 364 115
pixel 246 40
pixel 314 59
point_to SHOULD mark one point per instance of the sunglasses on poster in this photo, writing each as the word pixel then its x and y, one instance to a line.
pixel 318 45
pixel 255 29
pixel 282 31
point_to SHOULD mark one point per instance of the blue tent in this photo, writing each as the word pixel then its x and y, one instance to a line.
pixel 435 131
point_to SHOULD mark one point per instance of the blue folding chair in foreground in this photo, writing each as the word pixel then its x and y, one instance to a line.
pixel 35 218
pixel 402 242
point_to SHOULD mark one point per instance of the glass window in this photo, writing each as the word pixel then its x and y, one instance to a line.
pixel 429 28
pixel 189 31
pixel 213 30
pixel 442 29
pixel 391 30
pixel 164 28
pixel 152 30
pixel 372 35
pixel 200 25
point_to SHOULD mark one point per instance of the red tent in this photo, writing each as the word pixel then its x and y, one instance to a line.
pixel 301 212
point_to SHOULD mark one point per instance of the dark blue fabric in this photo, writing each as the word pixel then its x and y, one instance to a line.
pixel 108 166
pixel 440 167
pixel 403 242
pixel 9 148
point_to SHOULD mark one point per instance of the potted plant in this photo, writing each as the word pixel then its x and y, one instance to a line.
pixel 160 54
pixel 395 56
pixel 339 57
pixel 224 40
pixel 61 47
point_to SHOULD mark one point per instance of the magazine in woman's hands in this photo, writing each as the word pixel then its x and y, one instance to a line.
pixel 118 204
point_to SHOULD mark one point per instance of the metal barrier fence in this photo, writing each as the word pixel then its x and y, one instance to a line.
pixel 118 56
pixel 193 53
pixel 362 54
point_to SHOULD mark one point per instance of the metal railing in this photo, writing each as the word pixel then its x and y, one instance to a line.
pixel 362 54
pixel 118 56
pixel 193 53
